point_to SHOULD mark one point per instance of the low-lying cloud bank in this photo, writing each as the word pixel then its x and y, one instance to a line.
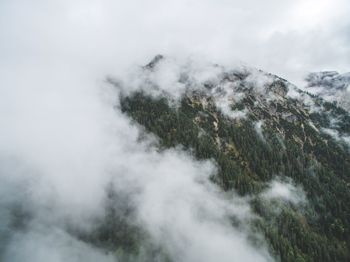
pixel 57 162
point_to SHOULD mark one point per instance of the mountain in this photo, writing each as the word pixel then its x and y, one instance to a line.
pixel 285 150
pixel 331 86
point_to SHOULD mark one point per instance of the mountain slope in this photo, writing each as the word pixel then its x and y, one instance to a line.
pixel 261 131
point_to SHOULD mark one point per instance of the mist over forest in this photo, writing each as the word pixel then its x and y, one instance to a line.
pixel 174 130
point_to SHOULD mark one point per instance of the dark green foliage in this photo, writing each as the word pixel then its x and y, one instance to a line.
pixel 246 161
pixel 118 233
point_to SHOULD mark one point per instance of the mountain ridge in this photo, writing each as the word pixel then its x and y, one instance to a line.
pixel 275 131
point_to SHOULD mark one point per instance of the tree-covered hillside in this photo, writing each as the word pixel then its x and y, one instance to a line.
pixel 297 138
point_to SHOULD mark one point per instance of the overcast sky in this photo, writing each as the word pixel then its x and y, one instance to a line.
pixel 287 37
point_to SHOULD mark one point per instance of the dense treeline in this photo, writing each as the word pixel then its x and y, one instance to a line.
pixel 246 160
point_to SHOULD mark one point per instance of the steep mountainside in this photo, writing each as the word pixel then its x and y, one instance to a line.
pixel 331 85
pixel 262 132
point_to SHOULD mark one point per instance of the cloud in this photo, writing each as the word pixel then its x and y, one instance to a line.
pixel 344 138
pixel 51 245
pixel 61 141
pixel 259 130
pixel 189 215
pixel 174 77
pixel 284 191
pixel 330 86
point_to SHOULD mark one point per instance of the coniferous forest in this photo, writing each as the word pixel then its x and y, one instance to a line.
pixel 317 230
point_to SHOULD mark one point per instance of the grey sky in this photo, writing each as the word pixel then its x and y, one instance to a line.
pixel 285 37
